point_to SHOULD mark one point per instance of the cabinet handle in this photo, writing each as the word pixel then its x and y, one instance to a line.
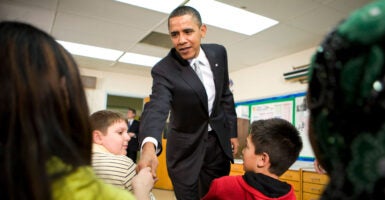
pixel 316 179
pixel 315 189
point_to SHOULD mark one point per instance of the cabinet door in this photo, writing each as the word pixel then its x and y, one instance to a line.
pixel 309 196
pixel 313 177
pixel 291 175
pixel 313 188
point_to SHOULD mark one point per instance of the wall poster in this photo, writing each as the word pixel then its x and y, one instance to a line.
pixel 291 107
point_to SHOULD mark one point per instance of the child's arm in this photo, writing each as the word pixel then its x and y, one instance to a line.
pixel 143 183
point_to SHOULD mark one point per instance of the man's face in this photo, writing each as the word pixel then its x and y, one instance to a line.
pixel 186 35
pixel 130 115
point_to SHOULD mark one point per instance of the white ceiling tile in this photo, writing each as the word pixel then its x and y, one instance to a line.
pixel 45 4
pixel 91 31
pixel 40 17
pixel 113 11
pixel 280 10
pixel 149 50
pixel 346 6
pixel 318 21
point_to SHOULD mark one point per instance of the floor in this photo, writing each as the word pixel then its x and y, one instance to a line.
pixel 163 194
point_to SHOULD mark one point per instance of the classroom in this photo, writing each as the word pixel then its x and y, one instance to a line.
pixel 257 64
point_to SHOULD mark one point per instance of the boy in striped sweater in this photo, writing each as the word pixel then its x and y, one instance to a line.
pixel 110 141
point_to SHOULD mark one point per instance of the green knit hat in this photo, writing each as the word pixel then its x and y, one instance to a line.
pixel 346 98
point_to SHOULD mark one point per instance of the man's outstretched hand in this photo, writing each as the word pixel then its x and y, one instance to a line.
pixel 148 158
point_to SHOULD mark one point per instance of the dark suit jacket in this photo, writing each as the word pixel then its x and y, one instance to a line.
pixel 133 144
pixel 177 89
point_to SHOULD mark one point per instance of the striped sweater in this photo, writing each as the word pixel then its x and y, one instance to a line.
pixel 117 170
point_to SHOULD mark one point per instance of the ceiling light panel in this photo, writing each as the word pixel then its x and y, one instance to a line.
pixel 231 18
pixel 139 59
pixel 91 51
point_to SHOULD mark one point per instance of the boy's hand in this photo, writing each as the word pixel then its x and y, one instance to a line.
pixel 142 183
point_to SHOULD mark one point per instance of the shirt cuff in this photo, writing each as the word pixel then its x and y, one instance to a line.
pixel 152 140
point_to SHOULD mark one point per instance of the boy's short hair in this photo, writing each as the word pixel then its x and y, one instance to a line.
pixel 279 139
pixel 103 119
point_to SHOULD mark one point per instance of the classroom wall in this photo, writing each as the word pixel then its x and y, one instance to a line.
pixel 115 84
pixel 266 80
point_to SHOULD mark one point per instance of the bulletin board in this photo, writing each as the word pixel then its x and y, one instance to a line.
pixel 291 107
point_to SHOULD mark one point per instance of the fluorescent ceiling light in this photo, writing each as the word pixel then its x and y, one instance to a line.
pixel 139 59
pixel 157 5
pixel 91 51
pixel 213 13
pixel 109 54
pixel 231 18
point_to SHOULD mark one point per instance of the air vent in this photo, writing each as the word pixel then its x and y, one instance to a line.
pixel 157 39
pixel 89 82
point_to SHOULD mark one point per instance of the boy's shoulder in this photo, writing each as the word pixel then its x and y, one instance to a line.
pixel 228 180
pixel 111 158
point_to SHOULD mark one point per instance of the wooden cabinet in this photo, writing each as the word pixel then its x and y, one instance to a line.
pixel 164 181
pixel 236 169
pixel 293 177
pixel 313 184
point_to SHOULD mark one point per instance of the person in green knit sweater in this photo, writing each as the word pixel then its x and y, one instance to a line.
pixel 45 140
pixel 346 99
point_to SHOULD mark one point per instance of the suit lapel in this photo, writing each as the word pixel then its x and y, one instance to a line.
pixel 191 78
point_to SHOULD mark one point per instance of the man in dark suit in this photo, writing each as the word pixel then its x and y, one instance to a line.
pixel 192 84
pixel 133 132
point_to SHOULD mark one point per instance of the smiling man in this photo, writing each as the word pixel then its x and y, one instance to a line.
pixel 192 85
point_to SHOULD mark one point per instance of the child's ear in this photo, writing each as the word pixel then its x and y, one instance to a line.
pixel 263 160
pixel 97 137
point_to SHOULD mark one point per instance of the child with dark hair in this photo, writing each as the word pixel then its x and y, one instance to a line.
pixel 272 146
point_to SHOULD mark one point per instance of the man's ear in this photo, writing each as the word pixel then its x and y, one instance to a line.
pixel 97 137
pixel 203 30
